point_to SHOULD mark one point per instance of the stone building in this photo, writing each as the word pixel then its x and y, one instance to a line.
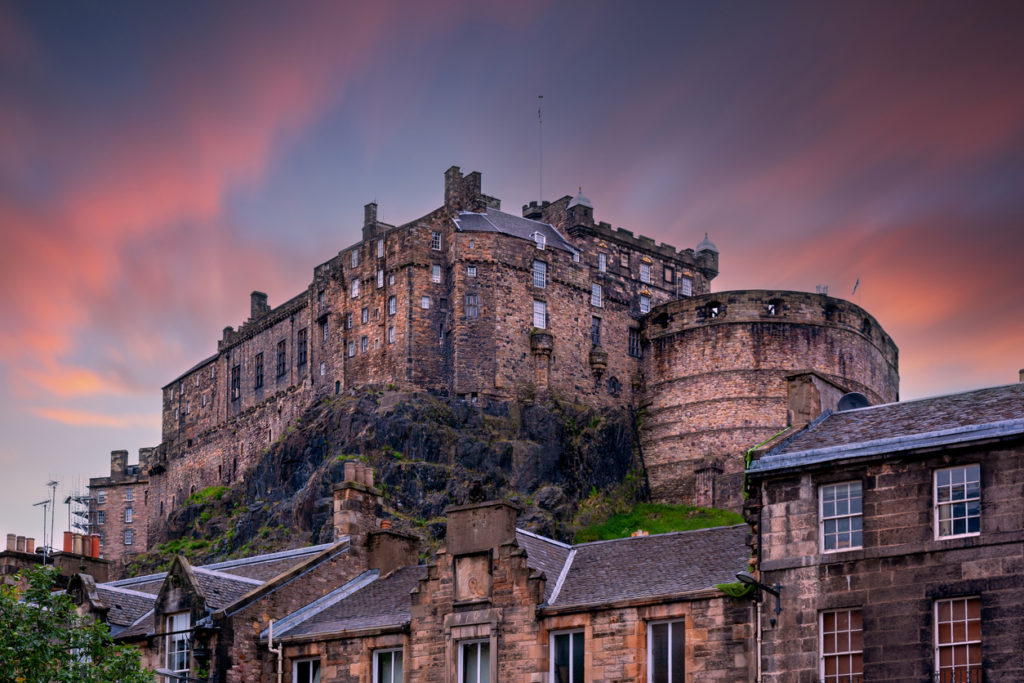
pixel 896 533
pixel 478 304
pixel 119 507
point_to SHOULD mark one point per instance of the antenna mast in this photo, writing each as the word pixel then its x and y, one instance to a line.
pixel 540 140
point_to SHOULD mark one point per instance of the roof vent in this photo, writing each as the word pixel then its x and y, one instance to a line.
pixel 852 400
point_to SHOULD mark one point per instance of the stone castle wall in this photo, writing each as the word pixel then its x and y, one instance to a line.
pixel 716 385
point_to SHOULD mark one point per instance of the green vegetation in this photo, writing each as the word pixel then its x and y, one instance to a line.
pixel 736 589
pixel 46 640
pixel 656 518
pixel 207 495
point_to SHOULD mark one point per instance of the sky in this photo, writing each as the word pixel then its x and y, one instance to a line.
pixel 159 161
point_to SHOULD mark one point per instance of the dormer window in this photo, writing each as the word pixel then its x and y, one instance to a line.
pixel 539 239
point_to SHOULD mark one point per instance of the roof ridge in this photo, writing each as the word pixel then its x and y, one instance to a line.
pixel 228 575
pixel 311 609
pixel 546 539
pixel 280 554
pixel 561 576
pixel 667 533
pixel 935 397
pixel 128 591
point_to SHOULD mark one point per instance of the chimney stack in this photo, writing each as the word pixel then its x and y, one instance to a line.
pixel 30 545
pixel 12 542
pixel 258 305
pixel 356 503
pixel 118 463
pixel 480 527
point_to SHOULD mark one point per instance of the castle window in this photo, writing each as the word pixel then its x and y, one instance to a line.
pixel 841 517
pixel 540 314
pixel 323 330
pixel 236 382
pixel 128 513
pixel 773 307
pixel 666 651
pixel 958 501
pixel 355 288
pixel 575 257
pixel 203 399
pixel 645 303
pixel 391 335
pixel 129 536
pixel 391 279
pixel 635 350
pixel 197 379
pixel 387 666
pixel 321 298
pixel 179 643
pixel 188 407
pixel 645 272
pixel 364 344
pixel 392 305
pixel 282 358
pixel 176 415
pixel 303 349
pixel 435 274
pixel 380 279
pixel 213 372
pixel 596 295
pixel 376 314
pixel 567 657
pixel 624 259
pixel 841 646
pixel 323 368
pixel 539 239
pixel 595 331
pixel 425 302
pixel 365 315
pixel 259 371
pixel 470 271
pixel 348 321
pixel 351 349
pixel 540 274
pixel 714 310
pixel 435 241
pixel 306 671
pixel 670 275
pixel 686 286
pixel 602 262
pixel 380 248
pixel 475 661
pixel 472 305
pixel 355 258
pixel 958 640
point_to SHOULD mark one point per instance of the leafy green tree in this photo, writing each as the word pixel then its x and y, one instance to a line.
pixel 43 639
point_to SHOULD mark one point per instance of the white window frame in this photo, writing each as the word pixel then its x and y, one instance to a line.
pixel 351 349
pixel 645 303
pixel 539 239
pixel 305 660
pixel 849 515
pixel 391 279
pixel 951 503
pixel 967 642
pixel 686 286
pixel 435 274
pixel 355 258
pixel 364 344
pixel 101 517
pixel 540 274
pixel 364 315
pixel 848 652
pixel 540 314
pixel 551 651
pixel 470 271
pixel 323 368
pixel 101 497
pixel 355 288
pixel 177 629
pixel 392 305
pixel 391 334
pixel 435 240
pixel 462 657
pixel 129 494
pixel 602 262
pixel 645 273
pixel 596 296
pixel 425 303
pixel 128 515
pixel 380 279
pixel 129 536
pixel 380 248
pixel 673 677
pixel 396 655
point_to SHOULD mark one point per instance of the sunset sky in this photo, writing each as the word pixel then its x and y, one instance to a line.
pixel 158 161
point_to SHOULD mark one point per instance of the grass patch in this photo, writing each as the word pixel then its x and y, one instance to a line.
pixel 208 494
pixel 657 518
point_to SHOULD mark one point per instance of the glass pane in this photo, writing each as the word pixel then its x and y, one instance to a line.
pixel 470 663
pixel 485 662
pixel 659 653
pixel 678 652
pixel 384 668
pixel 397 664
pixel 577 658
pixel 562 658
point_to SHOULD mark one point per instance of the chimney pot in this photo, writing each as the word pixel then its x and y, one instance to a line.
pixel 12 542
pixel 350 471
pixel 94 545
pixel 67 541
pixel 30 545
pixel 20 544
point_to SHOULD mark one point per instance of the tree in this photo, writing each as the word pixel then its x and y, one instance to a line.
pixel 43 639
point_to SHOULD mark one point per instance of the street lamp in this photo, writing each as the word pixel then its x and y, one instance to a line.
pixel 774 590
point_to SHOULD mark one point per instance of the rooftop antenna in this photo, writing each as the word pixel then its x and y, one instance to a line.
pixel 53 507
pixel 45 504
pixel 540 140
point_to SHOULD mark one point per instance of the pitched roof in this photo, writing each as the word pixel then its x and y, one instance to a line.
pixel 651 566
pixel 545 554
pixel 125 606
pixel 508 224
pixel 360 604
pixel 991 413
pixel 222 589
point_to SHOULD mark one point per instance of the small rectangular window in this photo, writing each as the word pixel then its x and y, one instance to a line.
pixel 380 279
pixel 101 497
pixel 258 372
pixel 435 274
pixel 666 652
pixel 101 517
pixel 958 640
pixel 355 258
pixel 841 646
pixel 540 314
pixel 321 298
pixel 303 348
pixel 391 280
pixel 624 259
pixel 387 666
pixel 425 302
pixel 595 331
pixel 129 536
pixel 355 288
pixel 602 262
pixel 540 274
pixel 364 344
pixel 348 321
pixel 670 275
pixel 472 306
pixel 475 662
pixel 645 304
pixel 391 335
pixel 324 334
pixel 282 359
pixel 204 400
pixel 179 642
pixel 306 671
pixel 635 350
pixel 128 513
pixel 364 317
pixel 392 305
pixel 958 501
pixel 840 515
pixel 645 273
pixel 380 248
pixel 470 271
pixel 596 296
pixel 323 368
pixel 351 349
pixel 567 657
pixel 435 241
pixel 686 286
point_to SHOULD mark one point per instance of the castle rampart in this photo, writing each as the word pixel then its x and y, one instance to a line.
pixel 716 379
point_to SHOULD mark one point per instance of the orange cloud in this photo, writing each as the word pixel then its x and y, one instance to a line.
pixel 83 418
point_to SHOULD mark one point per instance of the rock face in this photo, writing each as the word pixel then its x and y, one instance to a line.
pixel 428 454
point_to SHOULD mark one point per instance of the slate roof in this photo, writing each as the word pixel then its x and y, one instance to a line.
pixel 994 412
pixel 651 566
pixel 221 589
pixel 139 629
pixel 125 605
pixel 516 226
pixel 545 554
pixel 380 603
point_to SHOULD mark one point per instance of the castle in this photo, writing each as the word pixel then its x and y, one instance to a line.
pixel 481 305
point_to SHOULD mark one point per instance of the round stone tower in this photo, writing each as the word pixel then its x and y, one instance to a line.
pixel 721 369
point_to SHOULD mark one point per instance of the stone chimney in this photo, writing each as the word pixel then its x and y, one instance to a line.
pixel 147 457
pixel 809 395
pixel 479 527
pixel 356 504
pixel 258 306
pixel 118 463
pixel 369 221
pixel 389 550
pixel 12 542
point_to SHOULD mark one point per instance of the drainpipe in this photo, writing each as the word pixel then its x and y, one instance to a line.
pixel 276 651
pixel 757 609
